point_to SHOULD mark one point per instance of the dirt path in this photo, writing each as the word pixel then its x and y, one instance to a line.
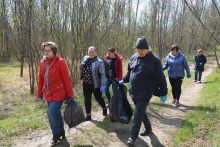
pixel 164 124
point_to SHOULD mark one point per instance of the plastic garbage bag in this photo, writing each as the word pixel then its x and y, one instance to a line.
pixel 73 114
pixel 120 109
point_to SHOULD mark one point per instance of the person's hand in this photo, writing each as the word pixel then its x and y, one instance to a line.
pixel 189 76
pixel 102 88
pixel 68 99
pixel 121 82
pixel 200 64
pixel 40 99
pixel 163 98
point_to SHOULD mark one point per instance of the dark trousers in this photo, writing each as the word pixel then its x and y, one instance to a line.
pixel 88 89
pixel 196 75
pixel 139 116
pixel 176 87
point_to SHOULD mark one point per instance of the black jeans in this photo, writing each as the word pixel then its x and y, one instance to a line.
pixel 196 75
pixel 176 86
pixel 139 116
pixel 88 89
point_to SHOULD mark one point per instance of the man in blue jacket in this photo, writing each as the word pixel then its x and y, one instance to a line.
pixel 144 70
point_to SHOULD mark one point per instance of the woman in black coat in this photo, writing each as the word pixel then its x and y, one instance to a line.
pixel 199 63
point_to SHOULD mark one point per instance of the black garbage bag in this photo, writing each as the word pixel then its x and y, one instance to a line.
pixel 73 114
pixel 120 109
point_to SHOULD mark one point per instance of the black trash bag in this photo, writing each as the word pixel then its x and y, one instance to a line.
pixel 120 109
pixel 73 114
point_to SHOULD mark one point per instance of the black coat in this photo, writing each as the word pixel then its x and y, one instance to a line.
pixel 199 62
pixel 142 74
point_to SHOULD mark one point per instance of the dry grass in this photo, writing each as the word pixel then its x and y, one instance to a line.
pixel 18 108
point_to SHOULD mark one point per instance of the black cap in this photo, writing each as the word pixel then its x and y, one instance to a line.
pixel 142 43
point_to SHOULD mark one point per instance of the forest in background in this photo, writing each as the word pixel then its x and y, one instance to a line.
pixel 77 24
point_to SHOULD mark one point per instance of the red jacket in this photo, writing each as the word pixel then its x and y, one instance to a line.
pixel 59 80
pixel 118 66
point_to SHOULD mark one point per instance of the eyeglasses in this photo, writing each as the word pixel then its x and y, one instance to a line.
pixel 47 51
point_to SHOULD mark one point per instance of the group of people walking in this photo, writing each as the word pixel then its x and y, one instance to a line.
pixel 144 70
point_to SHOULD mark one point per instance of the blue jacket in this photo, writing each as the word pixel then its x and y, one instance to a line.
pixel 142 74
pixel 199 62
pixel 176 65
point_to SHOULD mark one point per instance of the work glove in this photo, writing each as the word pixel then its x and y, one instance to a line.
pixel 200 64
pixel 40 99
pixel 121 82
pixel 102 88
pixel 68 99
pixel 163 98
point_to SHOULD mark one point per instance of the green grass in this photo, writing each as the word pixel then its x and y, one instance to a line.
pixel 18 110
pixel 206 122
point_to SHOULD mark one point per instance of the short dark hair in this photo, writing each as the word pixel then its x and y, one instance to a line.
pixel 174 47
pixel 52 45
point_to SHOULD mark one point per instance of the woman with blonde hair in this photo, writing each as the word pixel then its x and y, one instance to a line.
pixel 93 76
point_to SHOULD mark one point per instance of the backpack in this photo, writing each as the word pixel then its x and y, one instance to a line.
pixel 107 67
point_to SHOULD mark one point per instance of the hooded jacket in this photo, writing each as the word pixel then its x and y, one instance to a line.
pixel 176 65
pixel 59 82
pixel 118 66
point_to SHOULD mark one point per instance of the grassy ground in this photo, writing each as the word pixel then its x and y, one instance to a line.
pixel 19 110
pixel 203 123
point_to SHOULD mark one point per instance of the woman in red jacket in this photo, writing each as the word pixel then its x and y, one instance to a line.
pixel 55 86
pixel 116 68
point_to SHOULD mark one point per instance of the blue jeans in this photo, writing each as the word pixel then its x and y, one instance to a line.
pixel 55 117
pixel 114 88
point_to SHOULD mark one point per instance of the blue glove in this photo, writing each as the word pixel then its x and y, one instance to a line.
pixel 40 99
pixel 200 64
pixel 121 82
pixel 189 76
pixel 163 98
pixel 102 88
